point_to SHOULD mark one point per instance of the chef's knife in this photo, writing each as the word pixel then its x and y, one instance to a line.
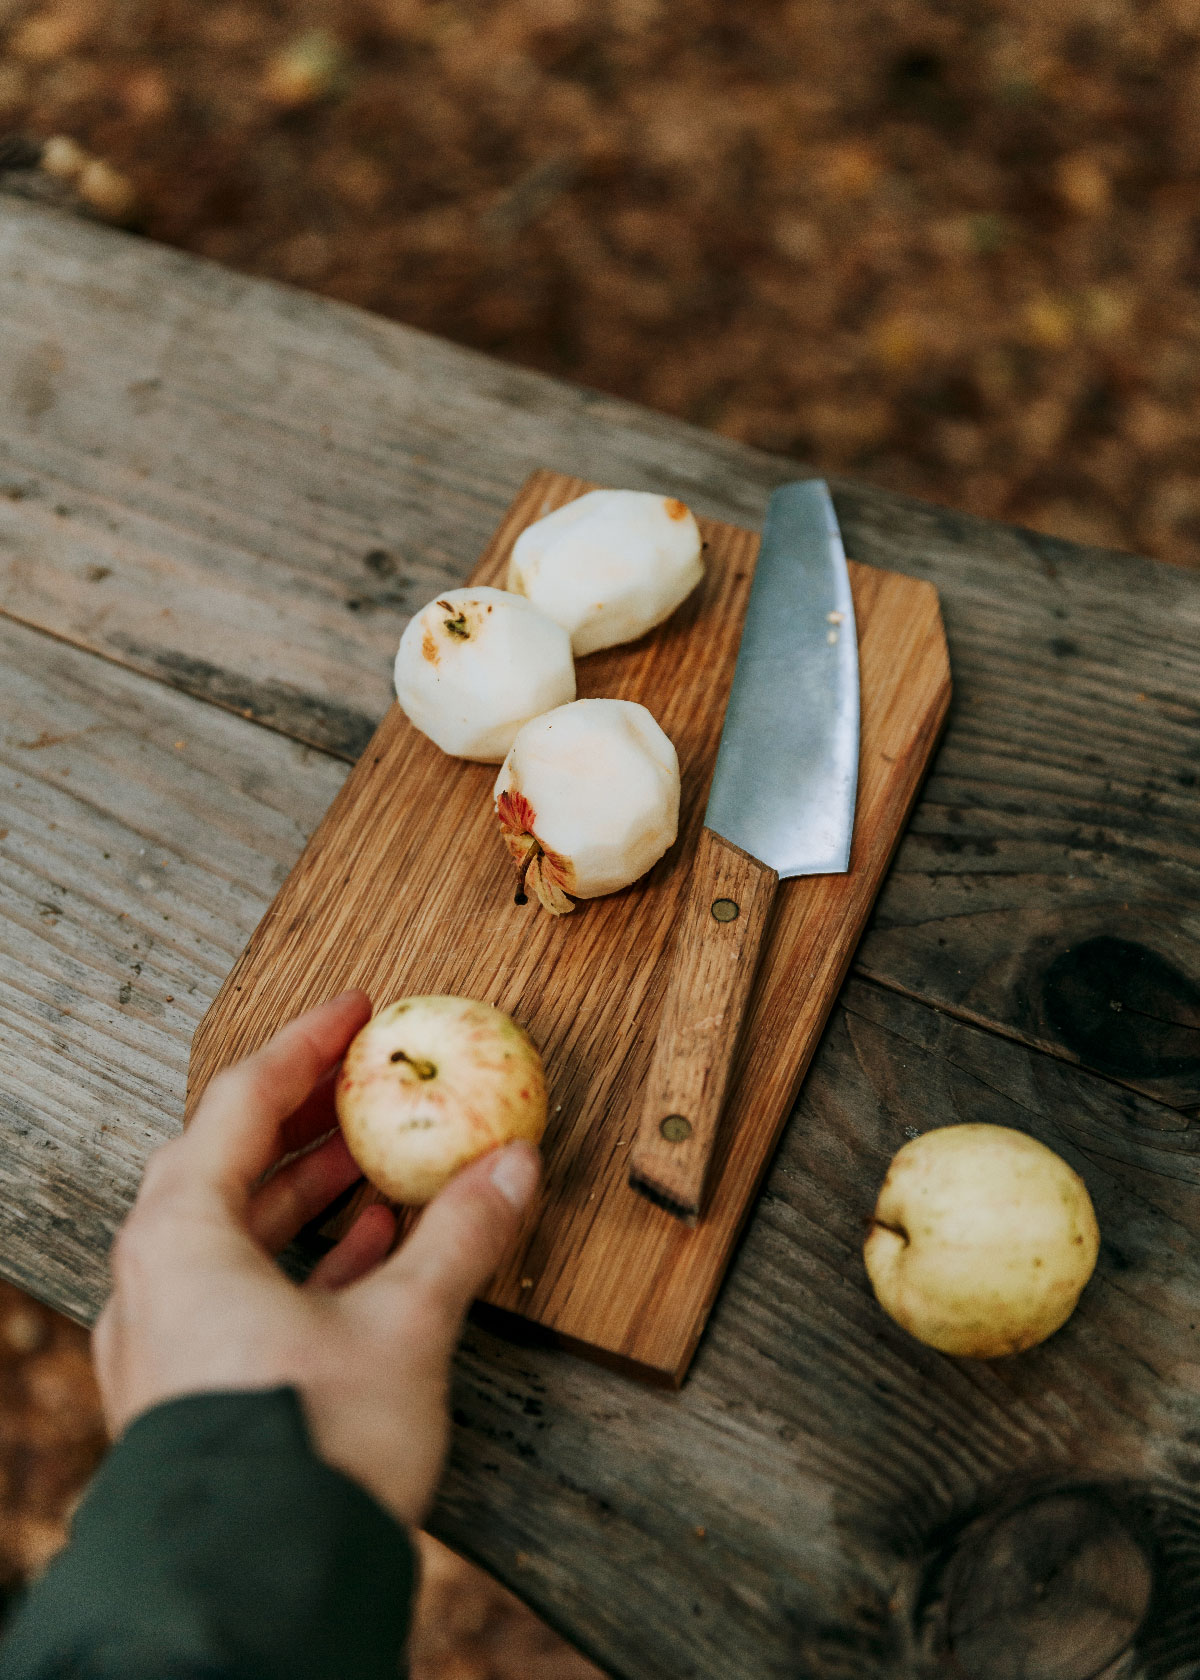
pixel 781 805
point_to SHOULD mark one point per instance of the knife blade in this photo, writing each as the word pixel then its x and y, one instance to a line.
pixel 781 805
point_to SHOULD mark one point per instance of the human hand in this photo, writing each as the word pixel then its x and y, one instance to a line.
pixel 198 1304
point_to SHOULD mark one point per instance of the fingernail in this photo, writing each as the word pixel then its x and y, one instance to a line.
pixel 343 997
pixel 515 1173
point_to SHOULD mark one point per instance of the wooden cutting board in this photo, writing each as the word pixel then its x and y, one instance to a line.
pixel 406 888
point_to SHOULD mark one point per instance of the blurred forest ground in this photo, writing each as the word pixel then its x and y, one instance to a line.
pixel 950 246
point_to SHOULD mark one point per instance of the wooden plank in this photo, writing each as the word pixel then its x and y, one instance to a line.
pixel 828 1459
pixel 244 490
pixel 862 1455
pixel 141 833
pixel 1049 885
pixel 406 889
pixel 862 1463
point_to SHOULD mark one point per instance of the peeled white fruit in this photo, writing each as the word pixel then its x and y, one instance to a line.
pixel 429 1084
pixel 610 565
pixel 476 664
pixel 982 1240
pixel 588 800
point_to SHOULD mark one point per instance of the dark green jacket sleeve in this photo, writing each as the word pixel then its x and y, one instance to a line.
pixel 214 1543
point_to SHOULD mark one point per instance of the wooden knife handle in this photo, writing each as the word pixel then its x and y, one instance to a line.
pixel 712 969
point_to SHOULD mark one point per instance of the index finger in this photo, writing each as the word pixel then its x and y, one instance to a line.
pixel 237 1131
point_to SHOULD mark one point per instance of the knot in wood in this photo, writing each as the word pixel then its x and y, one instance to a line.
pixel 1124 1009
pixel 1055 1589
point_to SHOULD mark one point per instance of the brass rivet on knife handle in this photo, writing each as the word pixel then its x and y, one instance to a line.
pixel 711 972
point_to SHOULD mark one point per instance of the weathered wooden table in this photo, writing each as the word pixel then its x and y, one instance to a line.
pixel 218 501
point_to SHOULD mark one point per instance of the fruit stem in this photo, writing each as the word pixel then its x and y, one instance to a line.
pixel 423 1070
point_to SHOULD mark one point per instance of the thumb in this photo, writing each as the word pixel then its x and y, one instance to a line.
pixel 460 1239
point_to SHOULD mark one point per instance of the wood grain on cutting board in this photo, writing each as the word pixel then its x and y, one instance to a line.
pixel 406 888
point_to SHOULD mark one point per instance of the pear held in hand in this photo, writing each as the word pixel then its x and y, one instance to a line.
pixel 429 1084
pixel 981 1241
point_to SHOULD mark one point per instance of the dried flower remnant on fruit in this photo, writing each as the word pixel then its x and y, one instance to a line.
pixel 456 623
pixel 539 872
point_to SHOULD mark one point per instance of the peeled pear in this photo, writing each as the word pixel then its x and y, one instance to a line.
pixel 610 565
pixel 478 663
pixel 588 800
